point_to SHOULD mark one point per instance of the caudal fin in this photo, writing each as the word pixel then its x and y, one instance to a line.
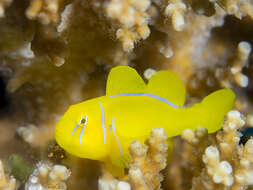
pixel 216 106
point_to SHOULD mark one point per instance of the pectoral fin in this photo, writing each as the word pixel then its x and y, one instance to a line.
pixel 115 167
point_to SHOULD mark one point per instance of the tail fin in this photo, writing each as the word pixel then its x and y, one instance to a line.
pixel 216 106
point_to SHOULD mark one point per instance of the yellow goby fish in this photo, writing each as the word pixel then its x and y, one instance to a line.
pixel 103 128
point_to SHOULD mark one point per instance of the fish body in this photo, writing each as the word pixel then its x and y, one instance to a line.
pixel 103 128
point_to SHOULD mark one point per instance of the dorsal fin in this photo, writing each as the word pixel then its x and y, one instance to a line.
pixel 124 79
pixel 167 85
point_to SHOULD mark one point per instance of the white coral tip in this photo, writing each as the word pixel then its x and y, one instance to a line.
pixel 226 167
pixel 123 186
pixel 249 146
pixel 212 152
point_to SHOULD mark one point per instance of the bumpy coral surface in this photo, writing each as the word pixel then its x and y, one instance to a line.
pixel 6 182
pixel 54 53
pixel 144 170
pixel 48 176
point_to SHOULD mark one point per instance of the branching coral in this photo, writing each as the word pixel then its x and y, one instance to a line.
pixel 6 183
pixel 144 170
pixel 232 74
pixel 28 134
pixel 133 19
pixel 148 73
pixel 198 138
pixel 244 166
pixel 44 10
pixel 148 160
pixel 238 8
pixel 226 163
pixel 226 72
pixel 220 171
pixel 48 176
pixel 249 120
pixel 194 51
pixel 238 62
pixel 3 4
pixel 175 10
pixel 108 182
pixel 191 44
pixel 220 160
pixel 229 138
pixel 35 136
pixel 65 18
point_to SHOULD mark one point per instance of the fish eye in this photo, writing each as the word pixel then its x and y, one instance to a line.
pixel 83 121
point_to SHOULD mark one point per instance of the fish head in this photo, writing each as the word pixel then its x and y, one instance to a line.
pixel 80 132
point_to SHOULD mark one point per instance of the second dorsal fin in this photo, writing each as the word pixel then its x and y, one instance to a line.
pixel 124 79
pixel 168 85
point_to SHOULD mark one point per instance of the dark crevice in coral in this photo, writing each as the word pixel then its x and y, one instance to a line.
pixel 234 30
pixel 202 7
pixel 247 134
pixel 4 97
pixel 249 91
pixel 97 79
pixel 248 70
pixel 147 52
pixel 55 153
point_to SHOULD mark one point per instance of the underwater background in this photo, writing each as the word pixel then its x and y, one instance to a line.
pixel 55 53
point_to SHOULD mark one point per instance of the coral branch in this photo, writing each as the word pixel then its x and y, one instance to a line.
pixel 45 10
pixel 3 4
pixel 240 61
pixel 48 176
pixel 133 18
pixel 6 183
pixel 144 170
pixel 175 10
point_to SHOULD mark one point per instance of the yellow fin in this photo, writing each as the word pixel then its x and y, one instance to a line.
pixel 170 150
pixel 215 106
pixel 114 169
pixel 168 85
pixel 124 79
pixel 223 100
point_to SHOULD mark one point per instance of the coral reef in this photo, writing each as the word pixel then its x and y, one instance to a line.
pixel 233 75
pixel 148 161
pixel 225 164
pixel 240 61
pixel 44 10
pixel 54 53
pixel 175 10
pixel 237 8
pixel 144 170
pixel 133 18
pixel 108 182
pixel 48 176
pixel 3 4
pixel 6 183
